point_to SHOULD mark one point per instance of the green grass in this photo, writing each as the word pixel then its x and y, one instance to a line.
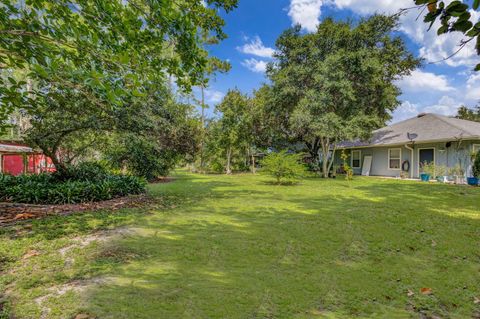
pixel 239 247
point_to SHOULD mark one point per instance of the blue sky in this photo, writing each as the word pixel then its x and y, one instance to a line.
pixel 254 26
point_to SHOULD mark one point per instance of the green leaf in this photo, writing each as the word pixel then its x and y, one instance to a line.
pixel 137 93
pixel 443 29
pixel 462 26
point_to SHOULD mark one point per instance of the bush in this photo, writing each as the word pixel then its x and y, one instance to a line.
pixel 87 171
pixel 476 166
pixel 86 183
pixel 141 157
pixel 285 168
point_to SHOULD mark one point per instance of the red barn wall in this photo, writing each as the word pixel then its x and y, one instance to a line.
pixel 12 164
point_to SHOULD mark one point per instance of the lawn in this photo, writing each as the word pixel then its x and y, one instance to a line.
pixel 239 247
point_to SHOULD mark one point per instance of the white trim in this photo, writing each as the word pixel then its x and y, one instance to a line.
pixel 399 159
pixel 359 158
pixel 418 157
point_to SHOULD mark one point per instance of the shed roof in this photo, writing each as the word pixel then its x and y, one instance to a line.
pixel 7 148
pixel 424 128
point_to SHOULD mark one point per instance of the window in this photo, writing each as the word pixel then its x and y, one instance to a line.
pixel 356 159
pixel 394 158
pixel 476 148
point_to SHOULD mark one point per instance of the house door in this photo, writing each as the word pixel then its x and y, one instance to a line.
pixel 425 155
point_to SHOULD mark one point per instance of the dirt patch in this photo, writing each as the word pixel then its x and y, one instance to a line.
pixel 11 212
pixel 101 236
pixel 77 286
pixel 161 180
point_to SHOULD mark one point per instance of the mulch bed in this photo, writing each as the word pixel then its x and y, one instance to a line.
pixel 14 212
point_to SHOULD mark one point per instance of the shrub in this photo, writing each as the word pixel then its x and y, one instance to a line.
pixel 87 171
pixel 142 157
pixel 428 168
pixel 348 170
pixel 86 183
pixel 285 168
pixel 476 166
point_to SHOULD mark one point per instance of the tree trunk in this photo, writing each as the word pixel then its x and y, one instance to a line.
pixel 228 169
pixel 332 159
pixel 325 143
pixel 60 167
pixel 254 169
pixel 327 162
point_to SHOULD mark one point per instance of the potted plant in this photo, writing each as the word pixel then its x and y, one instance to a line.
pixel 458 173
pixel 428 171
pixel 475 170
pixel 441 172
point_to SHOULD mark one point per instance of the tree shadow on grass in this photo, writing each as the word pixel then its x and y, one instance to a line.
pixel 346 255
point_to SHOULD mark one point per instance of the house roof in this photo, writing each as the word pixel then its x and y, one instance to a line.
pixel 424 128
pixel 7 148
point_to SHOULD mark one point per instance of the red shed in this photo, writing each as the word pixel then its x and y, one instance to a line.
pixel 16 159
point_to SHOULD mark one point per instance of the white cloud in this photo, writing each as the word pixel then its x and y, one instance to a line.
pixel 405 111
pixel 255 65
pixel 213 96
pixel 256 47
pixel 419 81
pixel 473 87
pixel 432 47
pixel 372 6
pixel 446 105
pixel 306 13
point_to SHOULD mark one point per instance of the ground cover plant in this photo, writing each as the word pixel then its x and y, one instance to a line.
pixel 87 182
pixel 236 246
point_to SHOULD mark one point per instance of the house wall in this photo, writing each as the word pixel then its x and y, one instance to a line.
pixel 445 156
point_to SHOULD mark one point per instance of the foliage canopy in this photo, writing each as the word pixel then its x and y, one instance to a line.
pixel 105 50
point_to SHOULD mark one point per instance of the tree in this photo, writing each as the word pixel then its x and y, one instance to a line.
pixel 465 113
pixel 67 127
pixel 337 83
pixel 214 65
pixel 105 50
pixel 231 131
pixel 454 16
pixel 167 136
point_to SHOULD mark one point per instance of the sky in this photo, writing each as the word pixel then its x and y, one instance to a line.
pixel 437 87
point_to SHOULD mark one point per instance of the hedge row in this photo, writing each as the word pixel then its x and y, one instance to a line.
pixel 49 189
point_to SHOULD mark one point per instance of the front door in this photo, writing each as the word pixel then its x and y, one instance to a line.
pixel 425 155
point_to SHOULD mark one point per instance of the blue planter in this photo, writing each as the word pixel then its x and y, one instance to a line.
pixel 473 181
pixel 425 177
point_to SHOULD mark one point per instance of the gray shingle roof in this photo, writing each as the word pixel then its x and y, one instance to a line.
pixel 428 128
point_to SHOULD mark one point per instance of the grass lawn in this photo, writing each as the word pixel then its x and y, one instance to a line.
pixel 238 247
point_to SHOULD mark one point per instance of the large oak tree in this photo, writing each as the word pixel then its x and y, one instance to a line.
pixel 337 83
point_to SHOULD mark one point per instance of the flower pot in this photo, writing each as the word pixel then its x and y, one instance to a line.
pixel 425 177
pixel 442 179
pixel 472 181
